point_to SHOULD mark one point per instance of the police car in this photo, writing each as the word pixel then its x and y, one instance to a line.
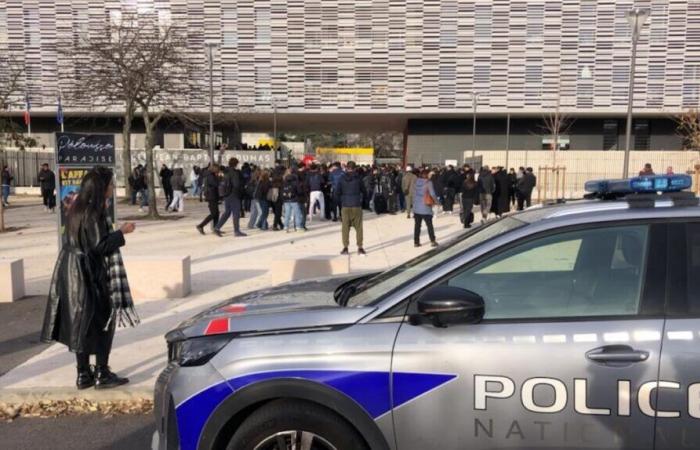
pixel 566 326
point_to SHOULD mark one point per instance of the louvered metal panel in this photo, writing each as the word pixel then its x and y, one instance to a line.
pixel 392 55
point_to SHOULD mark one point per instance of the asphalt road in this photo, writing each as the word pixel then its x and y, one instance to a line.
pixel 88 432
pixel 20 324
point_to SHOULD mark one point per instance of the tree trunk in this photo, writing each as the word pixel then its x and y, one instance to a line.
pixel 126 148
pixel 150 166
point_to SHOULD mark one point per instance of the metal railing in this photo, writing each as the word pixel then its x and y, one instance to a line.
pixel 24 166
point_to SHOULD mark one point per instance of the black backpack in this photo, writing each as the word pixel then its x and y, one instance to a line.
pixel 225 187
pixel 289 191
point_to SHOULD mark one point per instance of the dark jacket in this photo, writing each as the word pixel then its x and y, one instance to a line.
pixel 47 179
pixel 261 190
pixel 233 180
pixel 6 177
pixel 290 189
pixel 350 191
pixel 469 191
pixel 314 181
pixel 211 187
pixel 500 203
pixel 178 180
pixel 165 176
pixel 78 304
pixel 527 183
pixel 487 185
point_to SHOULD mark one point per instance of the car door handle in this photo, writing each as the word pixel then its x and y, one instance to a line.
pixel 617 354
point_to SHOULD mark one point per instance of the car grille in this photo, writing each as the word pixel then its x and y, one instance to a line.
pixel 173 351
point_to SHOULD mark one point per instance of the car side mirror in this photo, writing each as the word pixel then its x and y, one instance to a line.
pixel 448 305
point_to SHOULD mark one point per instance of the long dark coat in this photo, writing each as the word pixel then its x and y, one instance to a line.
pixel 78 306
pixel 500 203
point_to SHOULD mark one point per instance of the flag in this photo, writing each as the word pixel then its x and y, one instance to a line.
pixel 28 108
pixel 59 112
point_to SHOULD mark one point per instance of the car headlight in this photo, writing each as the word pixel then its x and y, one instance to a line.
pixel 197 351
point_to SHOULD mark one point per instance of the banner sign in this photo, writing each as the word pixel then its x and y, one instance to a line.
pixel 186 159
pixel 85 149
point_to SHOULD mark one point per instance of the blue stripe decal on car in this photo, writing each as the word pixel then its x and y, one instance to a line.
pixel 369 389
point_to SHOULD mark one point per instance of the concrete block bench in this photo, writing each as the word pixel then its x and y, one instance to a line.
pixel 11 279
pixel 285 270
pixel 158 277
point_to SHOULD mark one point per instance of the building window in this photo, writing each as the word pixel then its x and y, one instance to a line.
pixel 641 135
pixel 563 141
pixel 610 135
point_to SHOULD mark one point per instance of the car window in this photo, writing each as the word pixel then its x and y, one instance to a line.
pixel 693 267
pixel 593 272
pixel 374 289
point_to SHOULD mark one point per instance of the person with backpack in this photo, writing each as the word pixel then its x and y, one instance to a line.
pixel 230 188
pixel 211 194
pixel 349 196
pixel 290 197
pixel 314 182
pixel 424 198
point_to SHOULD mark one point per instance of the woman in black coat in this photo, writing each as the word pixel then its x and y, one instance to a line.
pixel 89 294
pixel 500 203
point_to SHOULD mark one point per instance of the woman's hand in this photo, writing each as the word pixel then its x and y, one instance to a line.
pixel 127 228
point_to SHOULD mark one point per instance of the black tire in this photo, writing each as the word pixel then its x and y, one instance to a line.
pixel 283 415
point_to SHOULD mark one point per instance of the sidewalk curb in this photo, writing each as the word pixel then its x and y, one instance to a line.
pixel 37 395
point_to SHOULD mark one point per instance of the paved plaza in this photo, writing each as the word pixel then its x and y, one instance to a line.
pixel 221 268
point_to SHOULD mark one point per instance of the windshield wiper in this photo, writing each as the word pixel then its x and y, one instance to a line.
pixel 345 291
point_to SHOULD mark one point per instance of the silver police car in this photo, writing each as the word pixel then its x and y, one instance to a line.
pixel 570 326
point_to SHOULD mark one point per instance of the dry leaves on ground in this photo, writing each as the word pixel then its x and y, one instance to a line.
pixel 74 407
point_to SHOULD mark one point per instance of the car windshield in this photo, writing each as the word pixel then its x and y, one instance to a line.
pixel 377 287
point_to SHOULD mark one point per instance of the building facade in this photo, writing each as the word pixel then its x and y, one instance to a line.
pixel 411 65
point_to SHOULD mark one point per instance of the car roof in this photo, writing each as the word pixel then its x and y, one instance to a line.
pixel 594 210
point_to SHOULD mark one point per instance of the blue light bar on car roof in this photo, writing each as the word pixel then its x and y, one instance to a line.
pixel 642 184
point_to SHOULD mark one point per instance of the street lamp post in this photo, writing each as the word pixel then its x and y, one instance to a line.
pixel 210 46
pixel 274 125
pixel 475 99
pixel 636 17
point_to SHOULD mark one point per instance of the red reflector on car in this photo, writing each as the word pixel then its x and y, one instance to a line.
pixel 217 326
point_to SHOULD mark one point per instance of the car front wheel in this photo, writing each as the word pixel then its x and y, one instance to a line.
pixel 298 425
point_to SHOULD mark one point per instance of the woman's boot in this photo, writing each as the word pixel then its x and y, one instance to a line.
pixel 106 379
pixel 86 378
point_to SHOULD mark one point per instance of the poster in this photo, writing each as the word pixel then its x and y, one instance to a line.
pixel 69 179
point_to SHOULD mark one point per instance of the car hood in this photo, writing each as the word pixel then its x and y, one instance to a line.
pixel 287 307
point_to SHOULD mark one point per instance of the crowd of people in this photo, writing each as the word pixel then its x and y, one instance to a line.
pixel 282 198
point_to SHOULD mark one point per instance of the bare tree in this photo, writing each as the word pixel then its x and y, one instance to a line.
pixel 11 84
pixel 688 128
pixel 141 63
pixel 165 70
pixel 556 124
pixel 103 74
